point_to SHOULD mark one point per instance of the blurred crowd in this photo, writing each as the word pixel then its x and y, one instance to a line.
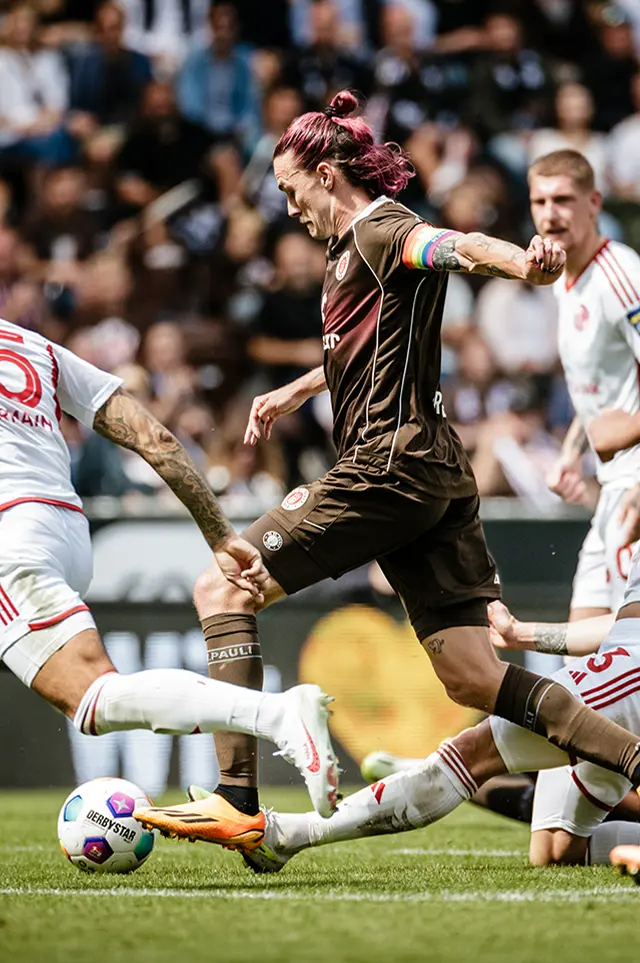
pixel 141 226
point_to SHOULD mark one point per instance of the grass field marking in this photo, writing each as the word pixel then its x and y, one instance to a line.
pixel 418 851
pixel 459 852
pixel 598 894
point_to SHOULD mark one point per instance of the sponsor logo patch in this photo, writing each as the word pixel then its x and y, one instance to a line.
pixel 343 264
pixel 273 541
pixel 295 499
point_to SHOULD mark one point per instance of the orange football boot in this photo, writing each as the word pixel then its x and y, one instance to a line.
pixel 212 820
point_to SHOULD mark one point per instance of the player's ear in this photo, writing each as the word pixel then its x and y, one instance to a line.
pixel 326 174
pixel 596 201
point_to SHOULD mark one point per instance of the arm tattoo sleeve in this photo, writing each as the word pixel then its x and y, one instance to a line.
pixel 123 420
pixel 477 253
pixel 444 257
pixel 551 637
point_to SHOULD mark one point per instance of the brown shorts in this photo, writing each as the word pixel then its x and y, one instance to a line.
pixel 432 550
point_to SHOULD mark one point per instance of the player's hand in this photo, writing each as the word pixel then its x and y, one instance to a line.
pixel 544 261
pixel 241 564
pixel 266 408
pixel 503 628
pixel 566 480
pixel 613 431
pixel 629 517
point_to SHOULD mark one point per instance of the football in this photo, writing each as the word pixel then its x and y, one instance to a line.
pixel 96 828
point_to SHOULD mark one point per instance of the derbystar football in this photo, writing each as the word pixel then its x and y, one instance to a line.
pixel 96 828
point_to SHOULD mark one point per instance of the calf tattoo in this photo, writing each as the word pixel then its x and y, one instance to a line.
pixel 551 637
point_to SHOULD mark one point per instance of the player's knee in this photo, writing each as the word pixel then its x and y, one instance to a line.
pixel 557 848
pixel 213 593
pixel 470 692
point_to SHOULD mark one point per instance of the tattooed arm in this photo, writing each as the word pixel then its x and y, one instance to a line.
pixel 428 247
pixel 125 421
pixel 556 638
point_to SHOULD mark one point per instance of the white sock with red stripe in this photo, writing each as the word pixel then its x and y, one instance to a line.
pixel 607 837
pixel 175 701
pixel 406 800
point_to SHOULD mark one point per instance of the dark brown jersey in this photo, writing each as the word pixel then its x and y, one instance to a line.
pixel 381 335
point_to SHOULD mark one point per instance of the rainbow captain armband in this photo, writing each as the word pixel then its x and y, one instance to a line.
pixel 421 244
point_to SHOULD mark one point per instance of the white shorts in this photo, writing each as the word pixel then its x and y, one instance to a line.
pixel 45 569
pixel 603 563
pixel 577 797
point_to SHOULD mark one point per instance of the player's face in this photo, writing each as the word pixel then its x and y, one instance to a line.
pixel 563 211
pixel 307 196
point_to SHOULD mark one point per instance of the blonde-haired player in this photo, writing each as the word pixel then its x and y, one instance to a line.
pixel 599 343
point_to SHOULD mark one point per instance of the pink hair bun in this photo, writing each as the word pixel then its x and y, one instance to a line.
pixel 343 104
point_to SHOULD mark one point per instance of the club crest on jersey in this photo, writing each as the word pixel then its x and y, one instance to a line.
pixel 273 541
pixel 633 317
pixel 581 317
pixel 343 264
pixel 295 499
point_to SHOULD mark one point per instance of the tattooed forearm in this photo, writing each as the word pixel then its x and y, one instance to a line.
pixel 123 420
pixel 551 637
pixel 479 254
pixel 445 257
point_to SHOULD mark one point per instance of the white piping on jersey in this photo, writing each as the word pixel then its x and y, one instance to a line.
pixel 375 355
pixel 404 373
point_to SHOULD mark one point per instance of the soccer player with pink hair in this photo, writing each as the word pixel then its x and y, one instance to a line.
pixel 402 490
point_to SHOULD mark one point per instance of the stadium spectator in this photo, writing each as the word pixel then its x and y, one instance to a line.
pixel 511 86
pixel 461 24
pixel 173 381
pixel 286 339
pixel 216 88
pixel 574 110
pixel 107 80
pixel 34 95
pixel 562 29
pixel 398 77
pixel 21 300
pixel 162 150
pixel 519 325
pixel 624 150
pixel 60 233
pixel 610 72
pixel 324 66
pixel 165 29
pixel 281 105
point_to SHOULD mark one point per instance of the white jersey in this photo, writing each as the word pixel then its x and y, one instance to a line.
pixel 39 380
pixel 599 344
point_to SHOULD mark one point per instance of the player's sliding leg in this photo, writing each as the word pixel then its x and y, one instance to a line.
pixel 465 662
pixel 510 795
pixel 80 679
pixel 228 618
pixel 407 800
pixel 418 797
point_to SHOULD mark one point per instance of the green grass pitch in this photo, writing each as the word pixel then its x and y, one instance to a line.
pixel 458 891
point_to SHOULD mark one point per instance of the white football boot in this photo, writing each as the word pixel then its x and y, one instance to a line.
pixel 302 737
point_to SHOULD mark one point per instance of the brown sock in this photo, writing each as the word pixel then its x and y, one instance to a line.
pixel 233 655
pixel 545 707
